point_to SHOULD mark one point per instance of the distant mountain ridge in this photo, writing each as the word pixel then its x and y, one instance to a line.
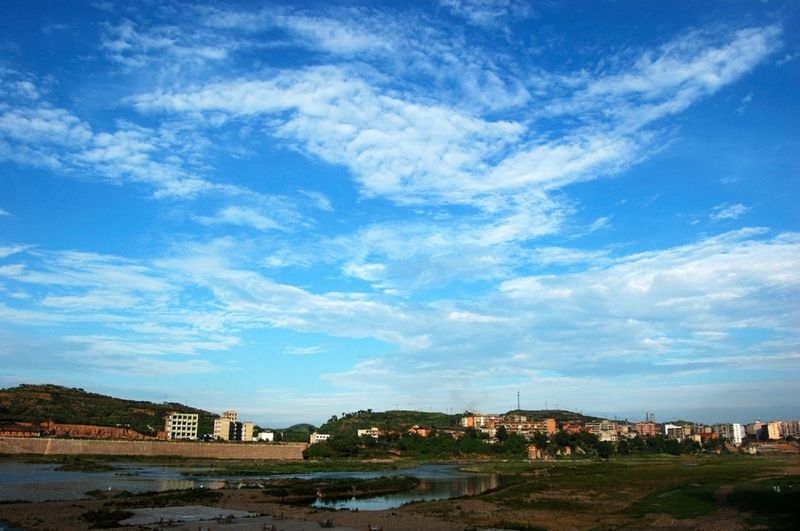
pixel 64 405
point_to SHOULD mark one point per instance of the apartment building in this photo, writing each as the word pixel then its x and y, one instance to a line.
pixel 181 426
pixel 647 429
pixel 790 428
pixel 732 432
pixel 227 428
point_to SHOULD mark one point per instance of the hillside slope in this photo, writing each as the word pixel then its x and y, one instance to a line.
pixel 64 405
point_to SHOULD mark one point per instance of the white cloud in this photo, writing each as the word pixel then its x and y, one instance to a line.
pixel 319 200
pixel 8 250
pixel 241 216
pixel 305 351
pixel 727 212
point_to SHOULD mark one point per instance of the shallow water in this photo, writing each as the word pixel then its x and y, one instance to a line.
pixel 42 482
pixel 437 482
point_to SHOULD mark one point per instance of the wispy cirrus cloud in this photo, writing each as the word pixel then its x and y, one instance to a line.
pixel 414 152
pixel 488 12
pixel 669 79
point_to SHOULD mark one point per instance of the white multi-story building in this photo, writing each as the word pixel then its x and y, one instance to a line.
pixel 181 426
pixel 733 433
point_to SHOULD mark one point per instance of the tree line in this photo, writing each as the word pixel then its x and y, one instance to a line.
pixel 441 444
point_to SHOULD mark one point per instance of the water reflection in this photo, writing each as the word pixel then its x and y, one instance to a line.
pixel 437 482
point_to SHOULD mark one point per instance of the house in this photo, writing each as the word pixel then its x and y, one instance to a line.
pixel 372 432
pixel 319 437
pixel 455 431
pixel 424 431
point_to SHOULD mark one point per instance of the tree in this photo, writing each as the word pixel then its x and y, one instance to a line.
pixel 501 434
pixel 605 449
pixel 561 438
pixel 623 447
pixel 540 441
pixel 515 444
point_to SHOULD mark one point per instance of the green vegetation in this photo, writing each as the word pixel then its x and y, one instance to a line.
pixel 79 463
pixel 297 433
pixel 62 405
pixel 470 443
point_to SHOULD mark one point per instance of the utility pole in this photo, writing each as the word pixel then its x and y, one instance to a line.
pixel 518 409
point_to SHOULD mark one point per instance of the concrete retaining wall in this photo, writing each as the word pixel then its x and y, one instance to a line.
pixel 37 446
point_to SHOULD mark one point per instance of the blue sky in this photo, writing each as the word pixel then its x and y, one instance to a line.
pixel 299 210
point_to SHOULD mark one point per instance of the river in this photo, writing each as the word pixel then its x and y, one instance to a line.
pixel 42 482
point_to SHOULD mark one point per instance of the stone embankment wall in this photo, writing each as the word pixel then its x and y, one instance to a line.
pixel 37 446
pixel 92 432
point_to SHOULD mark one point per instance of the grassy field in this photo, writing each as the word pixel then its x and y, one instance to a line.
pixel 637 492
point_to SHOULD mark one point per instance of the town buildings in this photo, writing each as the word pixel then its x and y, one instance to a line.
pixel 228 428
pixel 513 423
pixel 614 431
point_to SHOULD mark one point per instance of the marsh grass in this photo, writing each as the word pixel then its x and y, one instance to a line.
pixel 683 487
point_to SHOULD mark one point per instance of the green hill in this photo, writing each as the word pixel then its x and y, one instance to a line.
pixel 393 420
pixel 63 405
pixel 401 420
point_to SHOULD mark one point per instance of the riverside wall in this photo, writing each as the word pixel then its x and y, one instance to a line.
pixel 47 446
